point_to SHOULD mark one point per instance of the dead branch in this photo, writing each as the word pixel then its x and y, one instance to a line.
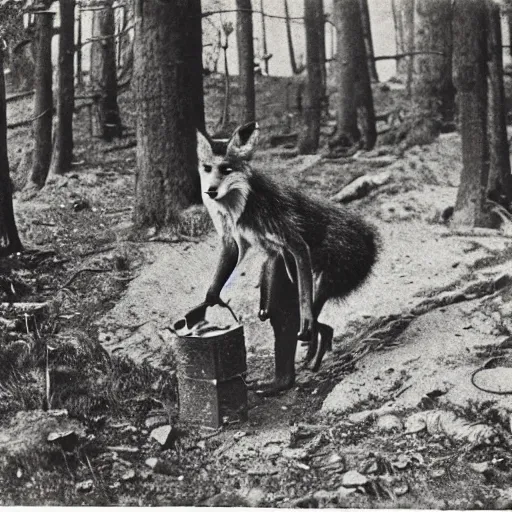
pixel 476 232
pixel 297 19
pixel 104 38
pixel 19 96
pixel 80 271
pixel 96 251
pixel 407 54
pixel 28 121
pixel 128 145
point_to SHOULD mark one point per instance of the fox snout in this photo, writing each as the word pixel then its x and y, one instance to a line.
pixel 212 192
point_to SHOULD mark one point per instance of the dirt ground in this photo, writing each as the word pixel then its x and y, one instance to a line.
pixel 437 307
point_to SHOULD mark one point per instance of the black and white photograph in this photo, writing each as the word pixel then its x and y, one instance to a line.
pixel 256 253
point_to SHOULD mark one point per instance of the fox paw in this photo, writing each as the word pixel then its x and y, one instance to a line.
pixel 271 387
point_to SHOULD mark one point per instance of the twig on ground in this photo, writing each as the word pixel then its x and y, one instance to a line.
pixel 128 145
pixel 96 251
pixel 78 272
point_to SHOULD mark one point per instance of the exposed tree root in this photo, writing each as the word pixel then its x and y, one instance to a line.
pixel 382 333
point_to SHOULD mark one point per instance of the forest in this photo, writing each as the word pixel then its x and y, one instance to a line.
pixel 108 243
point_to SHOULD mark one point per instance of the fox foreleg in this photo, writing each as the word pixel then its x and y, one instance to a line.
pixel 302 256
pixel 227 262
pixel 267 286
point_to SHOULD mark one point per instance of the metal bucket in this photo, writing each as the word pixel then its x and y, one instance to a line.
pixel 211 372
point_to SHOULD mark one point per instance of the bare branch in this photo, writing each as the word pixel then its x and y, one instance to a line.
pixel 407 54
pixel 298 19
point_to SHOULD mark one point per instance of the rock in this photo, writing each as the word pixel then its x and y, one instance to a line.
pixel 272 451
pixel 238 435
pixel 84 486
pixel 479 467
pixel 353 478
pixel 402 462
pixel 438 473
pixel 304 502
pixel 151 462
pixel 325 497
pixel 294 453
pixel 389 422
pixel 262 470
pixel 502 281
pixel 128 476
pixel 361 417
pixel 503 503
pixel 343 492
pixel 255 497
pixel 227 499
pixel 331 461
pixel 167 435
pixel 401 489
pixel 156 421
pixel 371 467
pixel 304 431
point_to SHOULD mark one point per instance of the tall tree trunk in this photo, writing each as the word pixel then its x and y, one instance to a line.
pixel 194 70
pixel 266 56
pixel 432 86
pixel 320 17
pixel 509 22
pixel 168 111
pixel 244 36
pixel 310 136
pixel 470 77
pixel 43 102
pixel 293 62
pixel 104 72
pixel 403 16
pixel 63 144
pixel 364 94
pixel 9 239
pixel 499 188
pixel 352 78
pixel 79 47
pixel 368 40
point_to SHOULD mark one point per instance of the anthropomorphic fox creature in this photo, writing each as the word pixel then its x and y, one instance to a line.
pixel 316 250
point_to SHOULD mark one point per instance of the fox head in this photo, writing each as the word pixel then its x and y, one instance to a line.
pixel 225 177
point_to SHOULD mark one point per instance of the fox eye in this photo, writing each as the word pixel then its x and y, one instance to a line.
pixel 207 168
pixel 226 170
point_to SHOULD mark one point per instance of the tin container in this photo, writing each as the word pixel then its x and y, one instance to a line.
pixel 211 373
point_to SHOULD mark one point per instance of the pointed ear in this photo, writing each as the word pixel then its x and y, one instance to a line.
pixel 243 142
pixel 204 148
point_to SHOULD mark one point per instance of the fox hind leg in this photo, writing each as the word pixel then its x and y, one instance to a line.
pixel 321 340
pixel 279 298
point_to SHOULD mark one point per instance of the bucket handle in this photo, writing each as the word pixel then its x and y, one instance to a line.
pixel 197 313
